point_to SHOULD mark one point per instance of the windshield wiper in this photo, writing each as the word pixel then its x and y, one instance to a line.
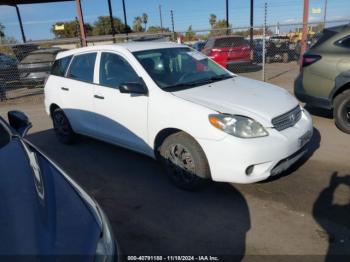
pixel 218 78
pixel 200 82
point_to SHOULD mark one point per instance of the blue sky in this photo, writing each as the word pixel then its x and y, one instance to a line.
pixel 38 18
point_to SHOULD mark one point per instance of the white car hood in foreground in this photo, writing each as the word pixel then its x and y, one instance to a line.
pixel 242 96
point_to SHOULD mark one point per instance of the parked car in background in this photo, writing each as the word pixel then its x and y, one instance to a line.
pixel 258 50
pixel 172 103
pixel 8 68
pixel 36 66
pixel 199 45
pixel 324 80
pixel 281 49
pixel 22 50
pixel 228 50
pixel 44 212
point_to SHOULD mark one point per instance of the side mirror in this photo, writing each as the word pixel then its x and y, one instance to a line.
pixel 19 122
pixel 133 88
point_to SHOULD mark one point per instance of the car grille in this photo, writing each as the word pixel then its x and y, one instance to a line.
pixel 288 119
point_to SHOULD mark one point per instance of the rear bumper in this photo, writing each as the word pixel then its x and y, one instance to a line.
pixel 238 62
pixel 301 94
pixel 34 79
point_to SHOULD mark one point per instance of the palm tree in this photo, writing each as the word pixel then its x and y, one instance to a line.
pixel 2 30
pixel 137 24
pixel 145 19
pixel 212 20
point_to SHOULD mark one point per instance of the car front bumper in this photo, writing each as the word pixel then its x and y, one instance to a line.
pixel 230 158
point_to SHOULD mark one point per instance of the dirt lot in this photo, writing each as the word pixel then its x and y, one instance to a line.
pixel 304 212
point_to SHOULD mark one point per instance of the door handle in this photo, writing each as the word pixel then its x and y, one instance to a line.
pixel 99 97
pixel 64 88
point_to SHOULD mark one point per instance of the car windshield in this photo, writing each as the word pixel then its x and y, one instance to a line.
pixel 178 68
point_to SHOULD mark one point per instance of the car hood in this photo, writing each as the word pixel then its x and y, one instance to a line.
pixel 242 96
pixel 42 213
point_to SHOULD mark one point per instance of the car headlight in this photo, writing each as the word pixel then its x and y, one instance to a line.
pixel 105 250
pixel 239 126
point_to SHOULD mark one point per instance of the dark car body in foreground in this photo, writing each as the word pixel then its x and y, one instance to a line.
pixel 43 211
pixel 324 80
pixel 36 66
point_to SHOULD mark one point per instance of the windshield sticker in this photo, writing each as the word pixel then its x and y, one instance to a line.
pixel 196 55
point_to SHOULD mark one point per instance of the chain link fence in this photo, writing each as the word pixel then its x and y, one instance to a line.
pixel 25 67
pixel 272 54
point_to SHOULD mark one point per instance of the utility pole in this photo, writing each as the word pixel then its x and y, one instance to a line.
pixel 20 24
pixel 227 22
pixel 161 18
pixel 305 29
pixel 251 23
pixel 81 23
pixel 125 21
pixel 172 23
pixel 324 13
pixel 264 44
pixel 111 19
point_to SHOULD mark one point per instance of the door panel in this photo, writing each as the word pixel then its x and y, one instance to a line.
pixel 121 118
pixel 77 93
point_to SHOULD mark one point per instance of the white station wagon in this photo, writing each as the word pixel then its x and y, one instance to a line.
pixel 173 103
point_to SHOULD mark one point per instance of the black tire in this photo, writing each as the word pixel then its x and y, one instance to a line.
pixel 285 58
pixel 62 127
pixel 341 111
pixel 184 161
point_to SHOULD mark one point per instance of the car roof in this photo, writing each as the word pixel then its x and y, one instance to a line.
pixel 226 36
pixel 339 28
pixel 46 50
pixel 129 46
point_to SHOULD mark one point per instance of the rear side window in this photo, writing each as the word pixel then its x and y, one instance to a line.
pixel 323 37
pixel 60 66
pixel 345 42
pixel 82 67
pixel 230 42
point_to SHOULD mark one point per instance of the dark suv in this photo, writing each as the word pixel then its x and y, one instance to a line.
pixel 324 80
pixel 36 66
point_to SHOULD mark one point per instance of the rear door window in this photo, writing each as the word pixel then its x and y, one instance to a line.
pixel 60 66
pixel 345 42
pixel 82 67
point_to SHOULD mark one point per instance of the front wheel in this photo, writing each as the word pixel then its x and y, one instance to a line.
pixel 184 161
pixel 62 127
pixel 341 111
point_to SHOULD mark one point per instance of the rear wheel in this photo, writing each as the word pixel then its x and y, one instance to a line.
pixel 341 111
pixel 285 58
pixel 62 127
pixel 184 161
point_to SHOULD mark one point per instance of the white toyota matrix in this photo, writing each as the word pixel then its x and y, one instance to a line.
pixel 175 104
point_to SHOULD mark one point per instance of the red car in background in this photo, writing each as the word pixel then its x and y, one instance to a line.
pixel 228 50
